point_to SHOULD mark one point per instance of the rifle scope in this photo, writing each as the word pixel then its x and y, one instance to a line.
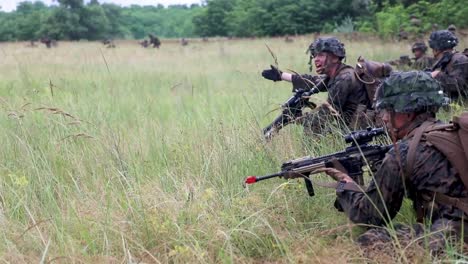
pixel 363 136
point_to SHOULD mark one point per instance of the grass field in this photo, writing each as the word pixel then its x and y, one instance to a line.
pixel 133 155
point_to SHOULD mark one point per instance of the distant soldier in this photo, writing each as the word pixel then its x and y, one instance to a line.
pixel 183 42
pixel 453 29
pixel 416 24
pixel 435 27
pixel 109 43
pixel 421 60
pixel 415 21
pixel 154 41
pixel 144 43
pixel 402 34
pixel 48 42
pixel 450 67
pixel 288 39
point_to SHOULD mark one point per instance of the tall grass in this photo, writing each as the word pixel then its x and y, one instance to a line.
pixel 132 154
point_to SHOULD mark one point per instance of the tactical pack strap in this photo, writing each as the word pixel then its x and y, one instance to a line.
pixel 460 203
pixel 342 186
pixel 413 146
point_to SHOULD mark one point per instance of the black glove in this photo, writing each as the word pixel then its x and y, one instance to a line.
pixel 272 74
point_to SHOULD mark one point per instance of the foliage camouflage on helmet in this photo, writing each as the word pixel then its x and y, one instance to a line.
pixel 419 46
pixel 442 40
pixel 407 92
pixel 331 44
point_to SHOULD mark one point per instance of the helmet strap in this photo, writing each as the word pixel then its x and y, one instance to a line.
pixel 329 65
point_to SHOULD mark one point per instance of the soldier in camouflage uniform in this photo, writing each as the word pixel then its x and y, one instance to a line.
pixel 402 34
pixel 154 41
pixel 453 29
pixel 347 97
pixel 408 101
pixel 450 67
pixel 421 60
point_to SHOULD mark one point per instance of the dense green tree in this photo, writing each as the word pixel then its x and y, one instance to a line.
pixel 28 17
pixel 96 23
pixel 212 21
pixel 74 20
pixel 116 21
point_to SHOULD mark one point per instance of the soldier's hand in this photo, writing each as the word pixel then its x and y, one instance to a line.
pixel 337 175
pixel 435 73
pixel 272 74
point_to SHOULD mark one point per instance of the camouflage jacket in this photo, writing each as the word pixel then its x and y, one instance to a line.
pixel 422 63
pixel 454 77
pixel 345 93
pixel 382 200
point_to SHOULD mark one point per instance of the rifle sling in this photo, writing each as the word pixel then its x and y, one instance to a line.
pixel 341 186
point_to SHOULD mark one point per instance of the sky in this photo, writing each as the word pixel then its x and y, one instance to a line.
pixel 9 5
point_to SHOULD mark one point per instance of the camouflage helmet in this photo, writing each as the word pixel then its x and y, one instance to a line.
pixel 419 46
pixel 330 44
pixel 410 92
pixel 442 40
pixel 452 27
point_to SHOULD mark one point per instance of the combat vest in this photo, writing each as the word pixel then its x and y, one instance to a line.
pixel 452 141
pixel 363 115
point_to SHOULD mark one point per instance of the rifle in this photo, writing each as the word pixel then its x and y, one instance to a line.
pixel 404 60
pixel 353 158
pixel 442 63
pixel 292 109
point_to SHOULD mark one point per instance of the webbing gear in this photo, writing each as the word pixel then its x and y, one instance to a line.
pixel 452 141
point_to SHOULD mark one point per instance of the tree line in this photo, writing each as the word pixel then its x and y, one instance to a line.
pixel 75 20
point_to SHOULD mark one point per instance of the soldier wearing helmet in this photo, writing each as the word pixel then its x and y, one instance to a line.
pixel 452 28
pixel 421 60
pixel 409 102
pixel 346 96
pixel 450 67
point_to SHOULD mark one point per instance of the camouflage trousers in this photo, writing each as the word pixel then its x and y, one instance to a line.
pixel 436 239
pixel 325 120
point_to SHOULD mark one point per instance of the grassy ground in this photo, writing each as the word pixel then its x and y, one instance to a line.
pixel 138 155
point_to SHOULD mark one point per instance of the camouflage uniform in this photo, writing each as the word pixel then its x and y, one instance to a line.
pixel 453 75
pixel 431 173
pixel 452 28
pixel 154 41
pixel 423 62
pixel 346 94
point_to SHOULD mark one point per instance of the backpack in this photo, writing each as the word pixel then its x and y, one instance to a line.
pixel 370 73
pixel 452 141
